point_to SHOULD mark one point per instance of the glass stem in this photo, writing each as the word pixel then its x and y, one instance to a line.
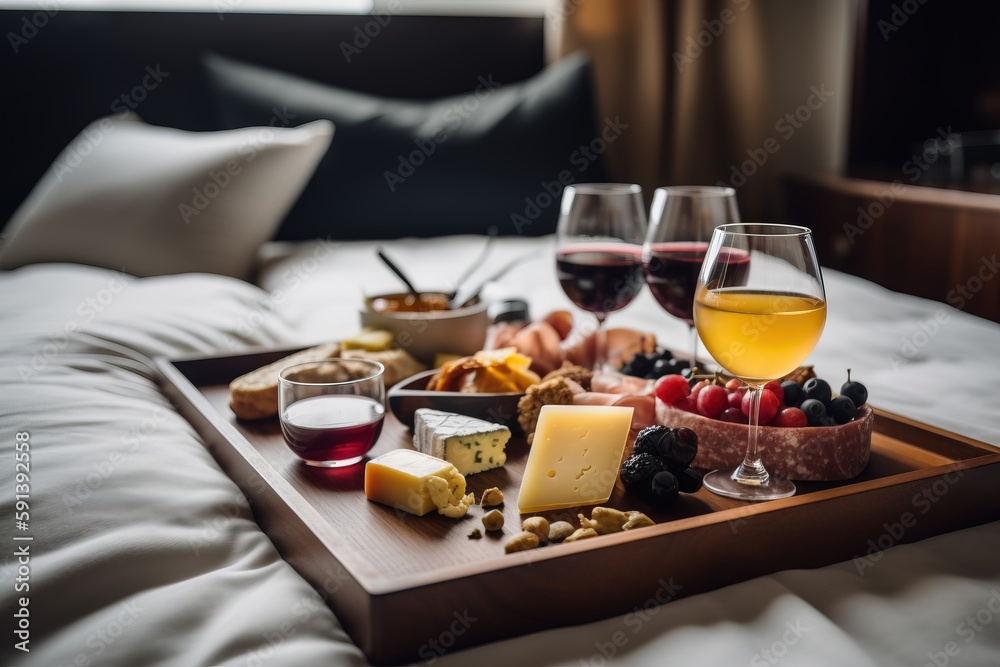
pixel 752 471
pixel 600 344
pixel 694 345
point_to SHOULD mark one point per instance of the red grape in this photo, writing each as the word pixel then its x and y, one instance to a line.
pixel 712 400
pixel 775 387
pixel 671 389
pixel 768 406
pixel 733 384
pixel 790 418
pixel 687 404
pixel 736 399
pixel 733 415
pixel 698 387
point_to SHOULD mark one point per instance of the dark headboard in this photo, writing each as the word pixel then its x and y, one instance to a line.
pixel 73 68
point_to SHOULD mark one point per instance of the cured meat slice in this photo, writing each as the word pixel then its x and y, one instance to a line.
pixel 644 413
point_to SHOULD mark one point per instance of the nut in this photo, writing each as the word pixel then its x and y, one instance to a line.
pixel 476 534
pixel 521 542
pixel 637 520
pixel 538 525
pixel 493 520
pixel 492 497
pixel 560 530
pixel 604 520
pixel 581 534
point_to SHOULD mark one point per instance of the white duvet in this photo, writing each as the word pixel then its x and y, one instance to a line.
pixel 143 551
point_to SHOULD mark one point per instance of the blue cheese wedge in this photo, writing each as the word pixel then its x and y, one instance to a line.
pixel 471 445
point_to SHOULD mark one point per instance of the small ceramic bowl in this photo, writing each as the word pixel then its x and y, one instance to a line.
pixel 424 334
pixel 406 397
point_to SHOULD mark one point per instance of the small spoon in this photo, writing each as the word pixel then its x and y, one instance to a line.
pixel 483 254
pixel 399 274
pixel 465 296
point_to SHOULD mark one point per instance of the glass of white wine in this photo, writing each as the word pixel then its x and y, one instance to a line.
pixel 760 308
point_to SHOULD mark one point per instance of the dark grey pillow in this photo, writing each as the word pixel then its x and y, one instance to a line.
pixel 492 161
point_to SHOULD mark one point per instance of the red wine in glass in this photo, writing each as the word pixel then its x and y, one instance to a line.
pixel 672 273
pixel 682 220
pixel 600 277
pixel 332 427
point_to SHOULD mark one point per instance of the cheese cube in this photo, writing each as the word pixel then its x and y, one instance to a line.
pixel 416 483
pixel 471 445
pixel 575 456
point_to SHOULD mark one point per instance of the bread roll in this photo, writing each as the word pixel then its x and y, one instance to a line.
pixel 255 395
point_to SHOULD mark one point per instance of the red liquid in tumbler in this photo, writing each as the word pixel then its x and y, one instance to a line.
pixel 332 428
pixel 598 277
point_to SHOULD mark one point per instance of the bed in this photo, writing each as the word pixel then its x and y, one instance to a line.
pixel 142 551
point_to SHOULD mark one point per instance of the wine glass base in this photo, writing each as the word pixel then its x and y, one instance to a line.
pixel 721 482
pixel 334 464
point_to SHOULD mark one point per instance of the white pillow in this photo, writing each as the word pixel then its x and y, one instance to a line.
pixel 153 200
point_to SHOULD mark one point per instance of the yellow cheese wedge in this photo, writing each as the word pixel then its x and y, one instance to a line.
pixel 368 339
pixel 416 483
pixel 574 457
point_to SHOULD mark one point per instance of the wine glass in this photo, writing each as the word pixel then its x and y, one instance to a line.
pixel 681 222
pixel 760 308
pixel 599 249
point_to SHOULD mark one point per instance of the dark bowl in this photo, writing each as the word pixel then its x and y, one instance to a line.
pixel 407 396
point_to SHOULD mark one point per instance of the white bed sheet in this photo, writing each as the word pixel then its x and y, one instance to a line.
pixel 145 553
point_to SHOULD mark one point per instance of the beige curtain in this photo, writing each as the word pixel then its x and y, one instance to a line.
pixel 706 87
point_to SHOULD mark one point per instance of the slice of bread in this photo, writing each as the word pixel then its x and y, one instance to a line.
pixel 255 395
pixel 399 364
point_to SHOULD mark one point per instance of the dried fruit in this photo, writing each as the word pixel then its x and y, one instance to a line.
pixel 684 448
pixel 688 480
pixel 665 488
pixel 647 441
pixel 637 471
pixel 801 374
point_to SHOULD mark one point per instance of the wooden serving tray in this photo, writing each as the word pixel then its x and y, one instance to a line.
pixel 408 588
